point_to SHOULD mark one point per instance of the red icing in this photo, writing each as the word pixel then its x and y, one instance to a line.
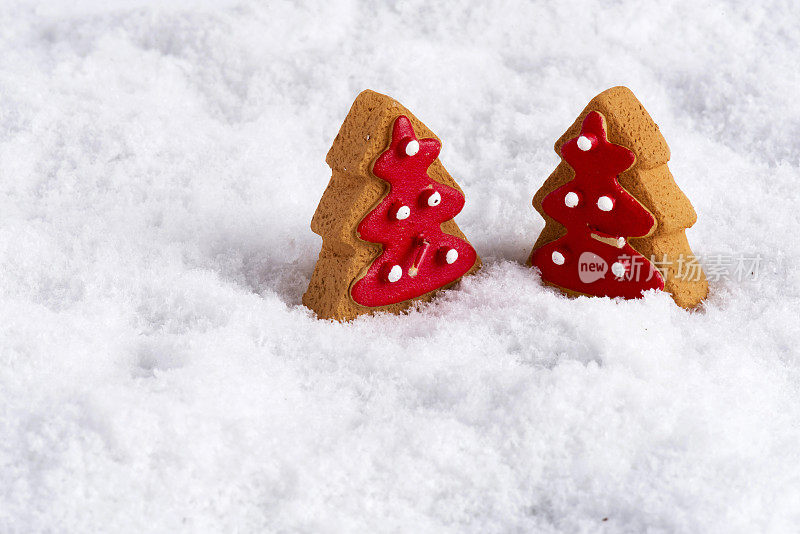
pixel 416 243
pixel 596 173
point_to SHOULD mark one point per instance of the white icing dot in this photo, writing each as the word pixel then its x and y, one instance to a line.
pixel 412 147
pixel 403 212
pixel 451 256
pixel 618 269
pixel 395 273
pixel 584 143
pixel 605 203
pixel 558 258
pixel 571 199
pixel 435 199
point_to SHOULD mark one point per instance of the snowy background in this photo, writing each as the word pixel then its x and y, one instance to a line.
pixel 160 165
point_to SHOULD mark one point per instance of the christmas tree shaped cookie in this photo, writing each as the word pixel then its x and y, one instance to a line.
pixel 615 220
pixel 386 217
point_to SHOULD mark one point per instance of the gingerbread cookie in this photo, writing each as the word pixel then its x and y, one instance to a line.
pixel 388 238
pixel 615 220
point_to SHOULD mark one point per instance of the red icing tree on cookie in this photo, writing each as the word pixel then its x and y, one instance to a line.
pixel 594 256
pixel 417 256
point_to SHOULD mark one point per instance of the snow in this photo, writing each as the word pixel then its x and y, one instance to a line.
pixel 160 165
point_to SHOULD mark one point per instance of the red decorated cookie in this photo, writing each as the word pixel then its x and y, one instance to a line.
pixel 613 211
pixel 386 218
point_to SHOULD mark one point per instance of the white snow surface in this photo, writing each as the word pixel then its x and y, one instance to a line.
pixel 160 163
